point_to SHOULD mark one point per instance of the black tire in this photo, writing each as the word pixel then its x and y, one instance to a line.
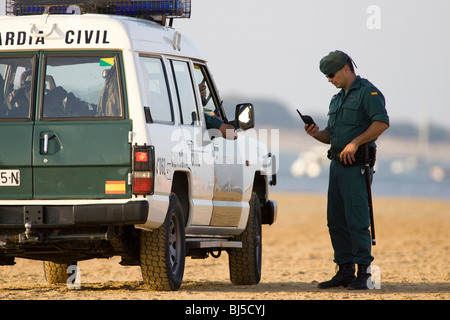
pixel 56 273
pixel 163 251
pixel 245 263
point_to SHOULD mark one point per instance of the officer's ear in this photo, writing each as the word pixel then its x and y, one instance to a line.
pixel 347 69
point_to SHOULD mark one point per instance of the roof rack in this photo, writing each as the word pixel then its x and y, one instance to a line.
pixel 156 10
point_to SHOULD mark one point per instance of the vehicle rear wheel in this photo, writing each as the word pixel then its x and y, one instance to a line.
pixel 245 262
pixel 163 251
pixel 56 273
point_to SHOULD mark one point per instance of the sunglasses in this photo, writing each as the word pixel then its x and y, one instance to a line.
pixel 331 75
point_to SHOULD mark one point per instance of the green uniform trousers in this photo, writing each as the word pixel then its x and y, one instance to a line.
pixel 348 214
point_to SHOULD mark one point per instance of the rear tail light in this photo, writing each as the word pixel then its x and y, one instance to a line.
pixel 143 169
pixel 141 156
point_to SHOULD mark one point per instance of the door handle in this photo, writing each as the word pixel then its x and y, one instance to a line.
pixel 46 136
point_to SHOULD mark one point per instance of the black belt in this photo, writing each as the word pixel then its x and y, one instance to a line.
pixel 360 157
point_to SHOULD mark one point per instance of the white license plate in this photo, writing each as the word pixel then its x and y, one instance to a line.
pixel 10 178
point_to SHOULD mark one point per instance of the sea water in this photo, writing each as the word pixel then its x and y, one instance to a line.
pixel 393 177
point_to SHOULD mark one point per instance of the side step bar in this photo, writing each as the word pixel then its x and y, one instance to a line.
pixel 200 248
pixel 208 243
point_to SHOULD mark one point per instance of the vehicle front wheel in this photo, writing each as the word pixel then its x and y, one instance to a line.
pixel 245 262
pixel 163 251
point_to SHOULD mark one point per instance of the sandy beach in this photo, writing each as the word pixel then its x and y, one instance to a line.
pixel 412 256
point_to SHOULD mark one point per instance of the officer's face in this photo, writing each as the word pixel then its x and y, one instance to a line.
pixel 341 78
pixel 336 78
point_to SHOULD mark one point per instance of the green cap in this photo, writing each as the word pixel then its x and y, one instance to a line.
pixel 333 62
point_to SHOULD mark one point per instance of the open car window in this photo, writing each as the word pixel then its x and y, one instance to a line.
pixel 209 100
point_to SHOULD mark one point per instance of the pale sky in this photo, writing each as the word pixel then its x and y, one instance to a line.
pixel 272 49
pixel 262 48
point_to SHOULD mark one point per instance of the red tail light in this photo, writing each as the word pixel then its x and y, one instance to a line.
pixel 143 169
pixel 141 156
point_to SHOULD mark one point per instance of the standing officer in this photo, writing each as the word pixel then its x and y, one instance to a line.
pixel 357 116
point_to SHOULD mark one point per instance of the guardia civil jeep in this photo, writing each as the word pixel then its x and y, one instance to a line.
pixel 105 149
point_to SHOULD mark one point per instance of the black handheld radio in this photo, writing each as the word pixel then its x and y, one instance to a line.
pixel 306 119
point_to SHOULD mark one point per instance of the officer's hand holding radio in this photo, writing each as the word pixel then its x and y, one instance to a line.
pixel 310 126
pixel 313 129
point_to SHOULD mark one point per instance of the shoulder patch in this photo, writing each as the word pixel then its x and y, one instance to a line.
pixel 374 93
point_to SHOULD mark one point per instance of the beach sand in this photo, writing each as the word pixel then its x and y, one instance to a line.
pixel 412 257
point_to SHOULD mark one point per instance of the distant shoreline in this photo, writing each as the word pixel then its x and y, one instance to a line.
pixel 382 198
pixel 296 141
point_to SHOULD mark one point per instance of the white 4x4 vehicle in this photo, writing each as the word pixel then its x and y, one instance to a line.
pixel 105 149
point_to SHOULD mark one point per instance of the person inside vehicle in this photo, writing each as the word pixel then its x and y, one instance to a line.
pixel 212 118
pixel 19 99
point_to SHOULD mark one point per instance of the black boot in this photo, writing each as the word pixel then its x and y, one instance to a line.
pixel 363 279
pixel 344 276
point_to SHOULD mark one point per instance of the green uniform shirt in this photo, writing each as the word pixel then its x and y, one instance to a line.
pixel 352 112
pixel 212 122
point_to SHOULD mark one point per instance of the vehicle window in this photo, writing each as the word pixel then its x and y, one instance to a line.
pixel 82 87
pixel 201 78
pixel 210 102
pixel 185 90
pixel 157 94
pixel 16 83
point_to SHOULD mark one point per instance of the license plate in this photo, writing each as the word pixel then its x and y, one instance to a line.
pixel 9 178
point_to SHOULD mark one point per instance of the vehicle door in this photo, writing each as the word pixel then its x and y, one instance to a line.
pixel 80 137
pixel 195 153
pixel 17 82
pixel 228 205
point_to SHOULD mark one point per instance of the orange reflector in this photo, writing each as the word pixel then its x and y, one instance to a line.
pixel 141 156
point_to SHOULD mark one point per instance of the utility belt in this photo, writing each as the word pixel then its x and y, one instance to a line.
pixel 360 156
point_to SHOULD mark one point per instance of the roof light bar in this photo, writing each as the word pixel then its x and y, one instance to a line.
pixel 147 9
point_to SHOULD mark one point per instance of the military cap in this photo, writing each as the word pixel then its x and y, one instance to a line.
pixel 333 62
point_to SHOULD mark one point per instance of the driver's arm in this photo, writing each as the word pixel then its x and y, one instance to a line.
pixel 227 130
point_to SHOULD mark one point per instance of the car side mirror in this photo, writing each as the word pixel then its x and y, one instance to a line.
pixel 244 116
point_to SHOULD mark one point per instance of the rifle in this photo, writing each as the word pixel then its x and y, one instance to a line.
pixel 367 161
